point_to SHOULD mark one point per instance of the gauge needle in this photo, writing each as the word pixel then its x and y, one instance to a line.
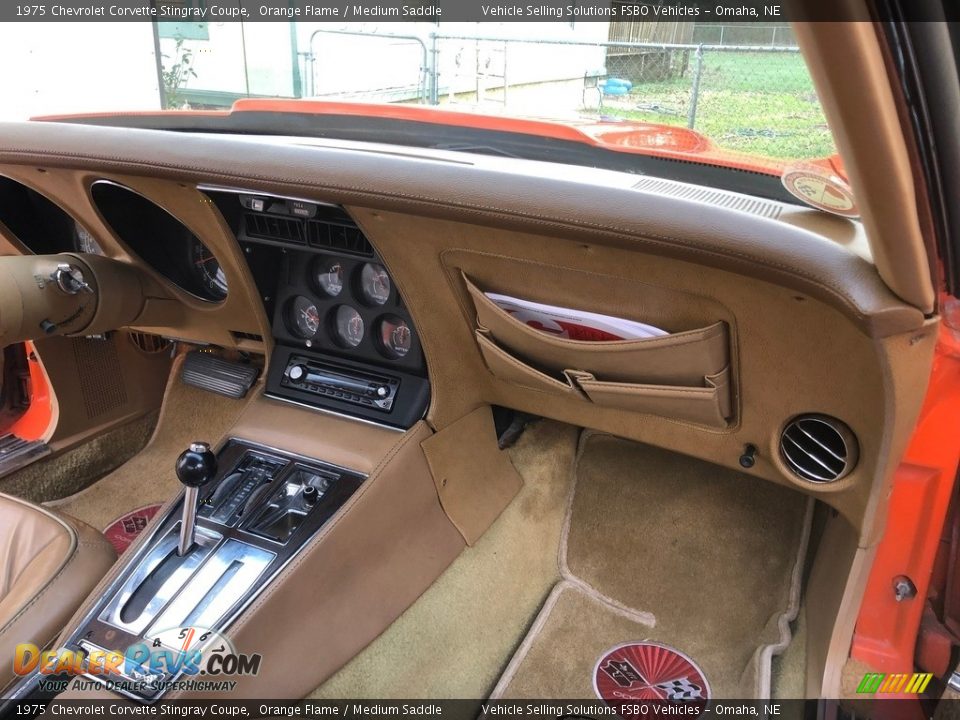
pixel 186 642
pixel 203 261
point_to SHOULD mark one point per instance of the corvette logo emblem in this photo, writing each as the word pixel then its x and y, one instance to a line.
pixel 648 671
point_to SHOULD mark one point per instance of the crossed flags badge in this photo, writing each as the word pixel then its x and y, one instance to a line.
pixel 626 675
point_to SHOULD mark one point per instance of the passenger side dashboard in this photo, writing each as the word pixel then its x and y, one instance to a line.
pixel 809 327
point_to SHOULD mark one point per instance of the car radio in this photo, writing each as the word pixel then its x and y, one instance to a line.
pixel 350 385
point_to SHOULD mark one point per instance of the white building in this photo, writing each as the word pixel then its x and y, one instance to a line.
pixel 82 67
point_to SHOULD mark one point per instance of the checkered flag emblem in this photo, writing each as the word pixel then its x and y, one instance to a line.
pixel 680 689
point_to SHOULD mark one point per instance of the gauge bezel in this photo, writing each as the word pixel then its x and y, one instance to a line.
pixel 148 230
pixel 290 318
pixel 215 288
pixel 386 350
pixel 363 295
pixel 324 261
pixel 334 330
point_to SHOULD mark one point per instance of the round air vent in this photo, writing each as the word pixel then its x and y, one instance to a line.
pixel 819 448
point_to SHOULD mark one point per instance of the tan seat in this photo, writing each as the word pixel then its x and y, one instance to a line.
pixel 49 563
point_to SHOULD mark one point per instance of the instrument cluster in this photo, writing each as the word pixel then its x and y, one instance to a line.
pixel 344 339
pixel 347 305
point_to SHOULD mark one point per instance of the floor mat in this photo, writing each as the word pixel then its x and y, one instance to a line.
pixel 125 529
pixel 454 641
pixel 665 547
pixel 187 414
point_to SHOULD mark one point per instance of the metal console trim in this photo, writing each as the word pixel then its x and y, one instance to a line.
pixel 31 682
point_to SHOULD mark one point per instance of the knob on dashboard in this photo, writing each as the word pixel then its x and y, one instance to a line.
pixel 297 373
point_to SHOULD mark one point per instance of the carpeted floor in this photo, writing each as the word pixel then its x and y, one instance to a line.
pixel 52 478
pixel 455 640
pixel 187 414
pixel 709 555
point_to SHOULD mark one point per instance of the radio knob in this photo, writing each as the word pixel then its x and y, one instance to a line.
pixel 297 373
pixel 382 391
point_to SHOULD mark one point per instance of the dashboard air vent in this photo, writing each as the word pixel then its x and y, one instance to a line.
pixel 819 448
pixel 342 238
pixel 150 343
pixel 272 227
pixel 241 335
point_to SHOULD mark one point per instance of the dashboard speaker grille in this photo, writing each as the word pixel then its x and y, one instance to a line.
pixel 819 448
pixel 101 375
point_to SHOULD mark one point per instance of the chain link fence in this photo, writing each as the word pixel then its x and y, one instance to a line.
pixel 751 98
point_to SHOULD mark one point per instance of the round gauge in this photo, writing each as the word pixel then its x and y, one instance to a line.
pixel 328 276
pixel 374 284
pixel 303 318
pixel 84 242
pixel 207 270
pixel 348 326
pixel 395 336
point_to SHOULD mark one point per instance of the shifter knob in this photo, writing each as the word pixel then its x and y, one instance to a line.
pixel 196 465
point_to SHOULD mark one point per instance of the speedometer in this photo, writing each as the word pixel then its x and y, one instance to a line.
pixel 207 269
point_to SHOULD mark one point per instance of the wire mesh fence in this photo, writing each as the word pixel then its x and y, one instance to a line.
pixel 751 98
pixel 757 101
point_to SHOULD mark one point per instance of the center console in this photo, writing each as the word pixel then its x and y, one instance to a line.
pixel 201 568
pixel 344 340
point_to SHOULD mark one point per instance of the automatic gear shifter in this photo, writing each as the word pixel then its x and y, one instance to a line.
pixel 196 467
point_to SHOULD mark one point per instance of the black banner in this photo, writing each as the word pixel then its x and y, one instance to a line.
pixel 344 11
pixel 872 706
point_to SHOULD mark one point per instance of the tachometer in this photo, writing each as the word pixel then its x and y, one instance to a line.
pixel 374 284
pixel 328 276
pixel 303 318
pixel 348 326
pixel 395 336
pixel 207 270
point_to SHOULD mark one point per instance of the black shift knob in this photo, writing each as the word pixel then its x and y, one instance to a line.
pixel 196 465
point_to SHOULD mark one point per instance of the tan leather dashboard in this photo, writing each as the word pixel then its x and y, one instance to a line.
pixel 806 325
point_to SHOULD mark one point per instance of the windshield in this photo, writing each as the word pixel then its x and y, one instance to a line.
pixel 736 95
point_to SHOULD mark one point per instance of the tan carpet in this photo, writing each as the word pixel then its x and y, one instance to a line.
pixel 789 670
pixel 456 639
pixel 187 414
pixel 711 555
pixel 69 472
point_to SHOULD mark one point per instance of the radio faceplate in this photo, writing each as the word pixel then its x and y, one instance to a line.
pixel 384 396
pixel 331 380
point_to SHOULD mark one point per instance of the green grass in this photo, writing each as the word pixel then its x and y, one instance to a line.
pixel 757 103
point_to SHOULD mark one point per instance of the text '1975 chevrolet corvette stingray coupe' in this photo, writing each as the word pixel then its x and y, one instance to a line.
pixel 324 399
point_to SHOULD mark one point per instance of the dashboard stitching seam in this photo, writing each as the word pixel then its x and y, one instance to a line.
pixel 652 239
